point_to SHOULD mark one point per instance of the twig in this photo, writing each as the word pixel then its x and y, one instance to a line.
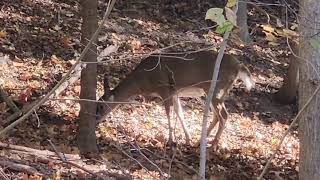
pixel 143 155
pixel 64 160
pixel 130 157
pixel 46 97
pixel 104 102
pixel 295 120
pixel 56 151
pixel 38 119
pixel 136 147
pixel 175 160
pixel 263 11
pixel 3 175
pixel 170 165
pixel 294 44
pixel 158 52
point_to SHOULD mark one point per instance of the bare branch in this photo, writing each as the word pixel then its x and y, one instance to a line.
pixel 295 120
pixel 203 144
pixel 203 140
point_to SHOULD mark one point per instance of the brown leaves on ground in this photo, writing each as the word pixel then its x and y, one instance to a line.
pixel 39 41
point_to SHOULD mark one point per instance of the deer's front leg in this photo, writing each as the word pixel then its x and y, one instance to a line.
pixel 167 107
pixel 221 114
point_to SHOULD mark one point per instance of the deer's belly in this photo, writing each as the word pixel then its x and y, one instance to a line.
pixel 191 92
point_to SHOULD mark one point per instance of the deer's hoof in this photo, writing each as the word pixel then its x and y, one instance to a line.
pixel 214 144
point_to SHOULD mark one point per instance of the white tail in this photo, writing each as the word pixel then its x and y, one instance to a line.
pixel 187 75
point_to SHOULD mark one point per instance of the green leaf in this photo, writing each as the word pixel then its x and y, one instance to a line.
pixel 315 43
pixel 215 15
pixel 226 26
pixel 231 3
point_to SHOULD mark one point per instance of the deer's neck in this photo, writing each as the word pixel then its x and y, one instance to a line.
pixel 126 89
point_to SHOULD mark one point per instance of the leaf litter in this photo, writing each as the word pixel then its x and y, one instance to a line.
pixel 38 49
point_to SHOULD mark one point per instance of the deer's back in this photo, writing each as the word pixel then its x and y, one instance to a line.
pixel 185 71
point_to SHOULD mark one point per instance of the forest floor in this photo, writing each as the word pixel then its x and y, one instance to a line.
pixel 39 42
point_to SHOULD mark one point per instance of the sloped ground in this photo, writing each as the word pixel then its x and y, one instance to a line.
pixel 39 40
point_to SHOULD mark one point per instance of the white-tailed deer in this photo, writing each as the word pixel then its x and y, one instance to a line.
pixel 186 75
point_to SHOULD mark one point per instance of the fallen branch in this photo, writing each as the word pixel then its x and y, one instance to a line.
pixel 5 97
pixel 46 97
pixel 35 151
pixel 38 157
pixel 45 156
pixel 19 167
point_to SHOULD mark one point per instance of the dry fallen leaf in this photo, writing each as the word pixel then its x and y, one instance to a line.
pixel 25 95
pixel 55 59
pixel 135 45
pixel 66 41
pixel 267 28
pixel 3 34
pixel 17 64
pixel 270 37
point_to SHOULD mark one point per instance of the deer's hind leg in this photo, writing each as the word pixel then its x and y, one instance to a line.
pixel 179 111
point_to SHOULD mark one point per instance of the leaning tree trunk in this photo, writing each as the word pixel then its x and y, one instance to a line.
pixel 288 91
pixel 309 127
pixel 86 137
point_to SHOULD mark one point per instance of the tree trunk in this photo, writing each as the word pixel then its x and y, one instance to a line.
pixel 288 92
pixel 242 21
pixel 86 137
pixel 309 127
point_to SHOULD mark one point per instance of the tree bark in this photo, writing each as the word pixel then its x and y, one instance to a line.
pixel 86 137
pixel 309 127
pixel 242 22
pixel 288 92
